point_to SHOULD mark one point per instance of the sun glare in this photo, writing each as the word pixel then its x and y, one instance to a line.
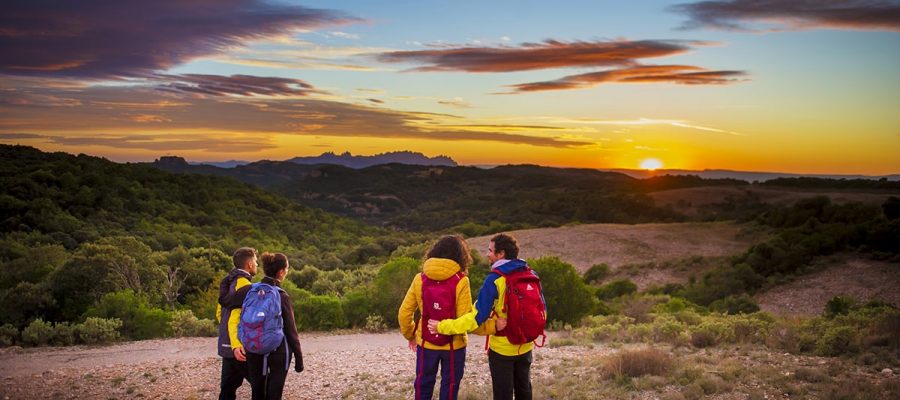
pixel 651 164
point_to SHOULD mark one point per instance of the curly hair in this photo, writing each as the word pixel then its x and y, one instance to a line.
pixel 452 247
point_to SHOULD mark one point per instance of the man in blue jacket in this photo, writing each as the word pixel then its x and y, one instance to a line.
pixel 510 363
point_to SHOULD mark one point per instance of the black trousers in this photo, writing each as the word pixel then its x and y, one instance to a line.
pixel 233 374
pixel 510 374
pixel 271 385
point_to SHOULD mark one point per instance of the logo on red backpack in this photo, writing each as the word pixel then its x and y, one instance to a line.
pixel 526 315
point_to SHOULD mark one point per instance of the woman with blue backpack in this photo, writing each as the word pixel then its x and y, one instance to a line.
pixel 440 291
pixel 268 331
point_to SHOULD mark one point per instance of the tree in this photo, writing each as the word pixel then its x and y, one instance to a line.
pixel 568 297
pixel 390 286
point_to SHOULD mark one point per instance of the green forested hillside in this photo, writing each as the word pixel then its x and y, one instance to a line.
pixel 466 199
pixel 76 228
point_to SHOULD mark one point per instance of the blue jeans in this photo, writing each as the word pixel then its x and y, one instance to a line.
pixel 427 362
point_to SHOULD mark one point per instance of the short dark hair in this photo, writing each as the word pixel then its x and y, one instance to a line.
pixel 507 244
pixel 241 256
pixel 273 263
pixel 452 247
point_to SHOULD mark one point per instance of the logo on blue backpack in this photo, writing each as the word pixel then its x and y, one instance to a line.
pixel 261 329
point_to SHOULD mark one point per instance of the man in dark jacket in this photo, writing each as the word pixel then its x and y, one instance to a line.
pixel 234 366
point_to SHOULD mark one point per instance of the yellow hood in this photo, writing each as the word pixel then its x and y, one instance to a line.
pixel 440 268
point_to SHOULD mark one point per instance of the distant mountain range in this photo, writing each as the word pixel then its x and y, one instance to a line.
pixel 742 175
pixel 356 162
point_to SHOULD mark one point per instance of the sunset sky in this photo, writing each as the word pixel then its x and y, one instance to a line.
pixel 755 85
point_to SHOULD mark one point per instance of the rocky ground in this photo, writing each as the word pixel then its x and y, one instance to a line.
pixel 337 366
pixel 379 366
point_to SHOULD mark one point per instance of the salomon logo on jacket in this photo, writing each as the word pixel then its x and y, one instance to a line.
pixel 261 329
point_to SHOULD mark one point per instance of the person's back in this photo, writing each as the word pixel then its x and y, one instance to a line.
pixel 509 361
pixel 267 371
pixel 442 288
pixel 234 367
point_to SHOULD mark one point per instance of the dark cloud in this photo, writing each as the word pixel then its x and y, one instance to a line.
pixel 534 56
pixel 873 15
pixel 238 85
pixel 157 115
pixel 164 142
pixel 679 74
pixel 376 101
pixel 100 39
pixel 16 136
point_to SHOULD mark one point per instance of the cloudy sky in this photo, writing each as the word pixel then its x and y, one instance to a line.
pixel 807 86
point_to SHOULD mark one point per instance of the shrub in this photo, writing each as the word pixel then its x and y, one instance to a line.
pixel 9 335
pixel 839 305
pixel 784 335
pixel 98 330
pixel 635 363
pixel 836 341
pixel 390 286
pixel 703 338
pixel 739 304
pixel 358 308
pixel 321 313
pixel 64 334
pixel 568 297
pixel 38 333
pixel 674 305
pixel 639 307
pixel 374 323
pixel 139 319
pixel 596 274
pixel 616 288
pixel 667 328
pixel 185 324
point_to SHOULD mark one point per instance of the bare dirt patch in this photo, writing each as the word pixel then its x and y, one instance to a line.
pixel 617 244
pixel 846 275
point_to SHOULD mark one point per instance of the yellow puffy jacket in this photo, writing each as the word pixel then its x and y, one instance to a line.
pixel 437 269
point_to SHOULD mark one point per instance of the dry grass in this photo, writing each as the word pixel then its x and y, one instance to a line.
pixel 842 275
pixel 617 244
pixel 636 363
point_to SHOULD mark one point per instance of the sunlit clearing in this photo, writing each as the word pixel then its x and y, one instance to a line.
pixel 651 164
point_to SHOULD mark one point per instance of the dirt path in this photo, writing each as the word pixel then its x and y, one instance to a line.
pixel 370 366
pixel 35 361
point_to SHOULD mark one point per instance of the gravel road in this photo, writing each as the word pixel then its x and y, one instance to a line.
pixel 371 366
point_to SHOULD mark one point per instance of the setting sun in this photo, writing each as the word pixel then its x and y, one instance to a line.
pixel 651 164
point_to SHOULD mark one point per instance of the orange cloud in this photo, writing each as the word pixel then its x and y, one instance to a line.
pixel 534 56
pixel 85 123
pixel 678 74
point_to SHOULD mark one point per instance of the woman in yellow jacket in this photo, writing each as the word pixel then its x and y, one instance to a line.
pixel 443 278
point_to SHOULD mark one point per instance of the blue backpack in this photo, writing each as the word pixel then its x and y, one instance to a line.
pixel 261 329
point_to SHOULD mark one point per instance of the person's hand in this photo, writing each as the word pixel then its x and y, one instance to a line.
pixel 298 366
pixel 239 354
pixel 500 324
pixel 412 345
pixel 432 326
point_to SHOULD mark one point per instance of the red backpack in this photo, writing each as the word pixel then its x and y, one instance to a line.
pixel 523 302
pixel 438 303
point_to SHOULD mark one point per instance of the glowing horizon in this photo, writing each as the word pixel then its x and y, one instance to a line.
pixel 702 85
